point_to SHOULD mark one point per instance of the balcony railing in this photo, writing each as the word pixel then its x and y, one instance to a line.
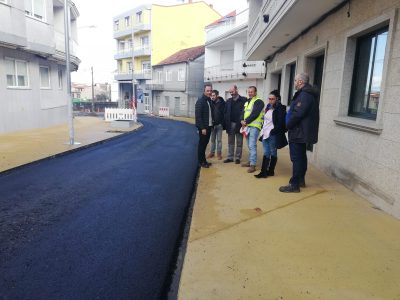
pixel 123 53
pixel 237 69
pixel 226 27
pixel 142 74
pixel 142 50
pixel 60 43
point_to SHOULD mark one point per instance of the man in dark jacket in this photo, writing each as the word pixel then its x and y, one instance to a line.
pixel 302 122
pixel 232 117
pixel 218 120
pixel 204 123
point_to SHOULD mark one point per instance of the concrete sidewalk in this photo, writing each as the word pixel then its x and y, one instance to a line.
pixel 19 148
pixel 249 241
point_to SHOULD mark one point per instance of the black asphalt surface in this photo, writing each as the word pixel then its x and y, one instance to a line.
pixel 100 223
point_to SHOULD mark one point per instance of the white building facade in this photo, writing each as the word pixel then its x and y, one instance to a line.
pixel 225 56
pixel 32 63
pixel 351 49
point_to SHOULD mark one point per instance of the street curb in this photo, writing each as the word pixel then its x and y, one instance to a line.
pixel 8 171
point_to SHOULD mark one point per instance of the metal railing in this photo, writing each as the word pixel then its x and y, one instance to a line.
pixel 228 25
pixel 236 69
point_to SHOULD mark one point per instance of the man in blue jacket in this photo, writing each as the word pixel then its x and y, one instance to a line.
pixel 302 122
pixel 204 123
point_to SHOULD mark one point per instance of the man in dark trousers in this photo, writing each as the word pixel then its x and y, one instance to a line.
pixel 302 122
pixel 218 119
pixel 232 117
pixel 204 123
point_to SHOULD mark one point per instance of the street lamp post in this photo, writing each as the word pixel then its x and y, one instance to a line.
pixel 68 71
pixel 92 91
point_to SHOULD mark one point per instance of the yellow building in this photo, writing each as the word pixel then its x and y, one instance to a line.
pixel 150 33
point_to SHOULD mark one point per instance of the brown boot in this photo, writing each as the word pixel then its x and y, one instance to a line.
pixel 219 156
pixel 251 169
pixel 246 165
pixel 211 155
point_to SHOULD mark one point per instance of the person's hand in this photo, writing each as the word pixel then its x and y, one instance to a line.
pixel 243 122
pixel 204 131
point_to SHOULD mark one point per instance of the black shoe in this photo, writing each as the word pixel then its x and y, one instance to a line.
pixel 237 161
pixel 289 189
pixel 205 165
pixel 302 184
pixel 228 160
pixel 261 175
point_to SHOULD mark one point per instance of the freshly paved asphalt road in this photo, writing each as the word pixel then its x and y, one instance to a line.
pixel 100 223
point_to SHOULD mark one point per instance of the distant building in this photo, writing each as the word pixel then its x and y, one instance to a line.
pixel 225 56
pixel 150 33
pixel 102 92
pixel 351 50
pixel 33 82
pixel 178 82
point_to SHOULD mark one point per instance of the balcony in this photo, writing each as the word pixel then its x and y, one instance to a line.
pixel 154 86
pixel 142 74
pixel 122 33
pixel 123 53
pixel 240 69
pixel 277 22
pixel 139 27
pixel 143 50
pixel 124 76
pixel 228 28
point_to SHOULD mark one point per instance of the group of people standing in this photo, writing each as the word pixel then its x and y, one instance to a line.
pixel 246 117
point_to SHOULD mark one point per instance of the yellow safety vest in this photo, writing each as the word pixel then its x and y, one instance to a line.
pixel 248 107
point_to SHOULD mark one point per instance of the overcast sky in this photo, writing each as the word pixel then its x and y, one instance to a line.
pixel 97 46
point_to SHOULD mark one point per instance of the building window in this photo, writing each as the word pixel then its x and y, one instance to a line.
pixel 367 75
pixel 292 74
pixel 129 67
pixel 60 78
pixel 166 99
pixel 16 73
pixel 127 21
pixel 168 75
pixel 144 40
pixel 116 25
pixel 159 76
pixel 227 60
pixel 181 75
pixel 35 8
pixel 44 73
pixel 139 17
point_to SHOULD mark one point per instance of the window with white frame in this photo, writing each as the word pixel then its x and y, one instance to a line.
pixel 16 73
pixel 44 73
pixel 144 41
pixel 116 25
pixel 60 78
pixel 127 21
pixel 168 75
pixel 129 67
pixel 159 76
pixel 181 75
pixel 139 17
pixel 36 9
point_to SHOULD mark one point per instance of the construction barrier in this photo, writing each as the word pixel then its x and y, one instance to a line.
pixel 112 114
pixel 163 111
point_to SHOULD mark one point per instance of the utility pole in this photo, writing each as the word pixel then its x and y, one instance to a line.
pixel 68 71
pixel 92 92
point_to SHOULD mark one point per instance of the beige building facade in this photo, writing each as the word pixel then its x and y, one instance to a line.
pixel 351 49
